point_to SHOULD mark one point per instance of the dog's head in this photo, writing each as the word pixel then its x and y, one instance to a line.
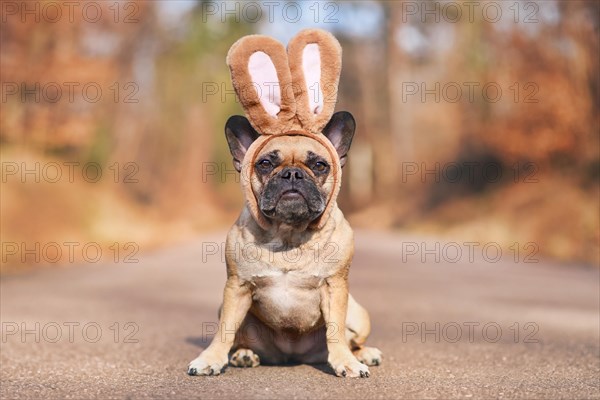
pixel 292 147
pixel 291 175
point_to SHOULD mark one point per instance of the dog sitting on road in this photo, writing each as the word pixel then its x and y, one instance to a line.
pixel 289 302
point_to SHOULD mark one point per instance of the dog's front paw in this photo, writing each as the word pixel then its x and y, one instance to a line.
pixel 368 355
pixel 208 364
pixel 245 358
pixel 347 365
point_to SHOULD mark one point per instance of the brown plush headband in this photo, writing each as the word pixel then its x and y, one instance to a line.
pixel 282 91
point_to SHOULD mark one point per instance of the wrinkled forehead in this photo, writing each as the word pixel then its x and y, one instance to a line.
pixel 295 147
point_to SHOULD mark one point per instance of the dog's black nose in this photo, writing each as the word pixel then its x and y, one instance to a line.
pixel 292 173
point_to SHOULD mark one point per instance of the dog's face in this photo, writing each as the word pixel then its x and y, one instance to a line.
pixel 293 173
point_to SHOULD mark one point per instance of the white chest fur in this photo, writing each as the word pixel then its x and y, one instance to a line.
pixel 286 280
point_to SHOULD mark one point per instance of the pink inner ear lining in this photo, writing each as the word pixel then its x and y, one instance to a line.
pixel 263 73
pixel 311 67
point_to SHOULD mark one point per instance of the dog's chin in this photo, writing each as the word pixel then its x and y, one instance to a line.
pixel 292 208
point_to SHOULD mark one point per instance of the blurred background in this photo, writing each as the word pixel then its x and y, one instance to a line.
pixel 476 121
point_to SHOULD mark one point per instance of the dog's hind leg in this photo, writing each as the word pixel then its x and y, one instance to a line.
pixel 358 324
pixel 358 328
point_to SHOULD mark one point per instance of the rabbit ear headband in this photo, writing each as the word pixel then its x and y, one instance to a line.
pixel 287 91
pixel 287 94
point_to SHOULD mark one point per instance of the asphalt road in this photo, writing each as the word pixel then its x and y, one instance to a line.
pixel 472 328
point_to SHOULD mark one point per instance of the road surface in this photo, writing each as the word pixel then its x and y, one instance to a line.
pixel 459 328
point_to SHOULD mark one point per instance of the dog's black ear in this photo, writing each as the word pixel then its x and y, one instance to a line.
pixel 340 131
pixel 240 135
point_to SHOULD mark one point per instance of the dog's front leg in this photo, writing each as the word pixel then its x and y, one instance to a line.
pixel 334 306
pixel 236 303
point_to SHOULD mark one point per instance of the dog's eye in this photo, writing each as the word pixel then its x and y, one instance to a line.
pixel 320 166
pixel 265 164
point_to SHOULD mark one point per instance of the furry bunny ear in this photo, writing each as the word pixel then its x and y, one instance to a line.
pixel 315 59
pixel 261 78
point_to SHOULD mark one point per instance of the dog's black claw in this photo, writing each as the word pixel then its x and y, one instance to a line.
pixel 367 374
pixel 344 373
pixel 212 372
pixel 375 361
pixel 362 374
pixel 192 371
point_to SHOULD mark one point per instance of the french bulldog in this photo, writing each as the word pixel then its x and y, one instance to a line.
pixel 289 300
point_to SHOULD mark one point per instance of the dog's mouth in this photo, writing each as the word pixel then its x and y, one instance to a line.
pixel 291 194
pixel 294 203
pixel 286 197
